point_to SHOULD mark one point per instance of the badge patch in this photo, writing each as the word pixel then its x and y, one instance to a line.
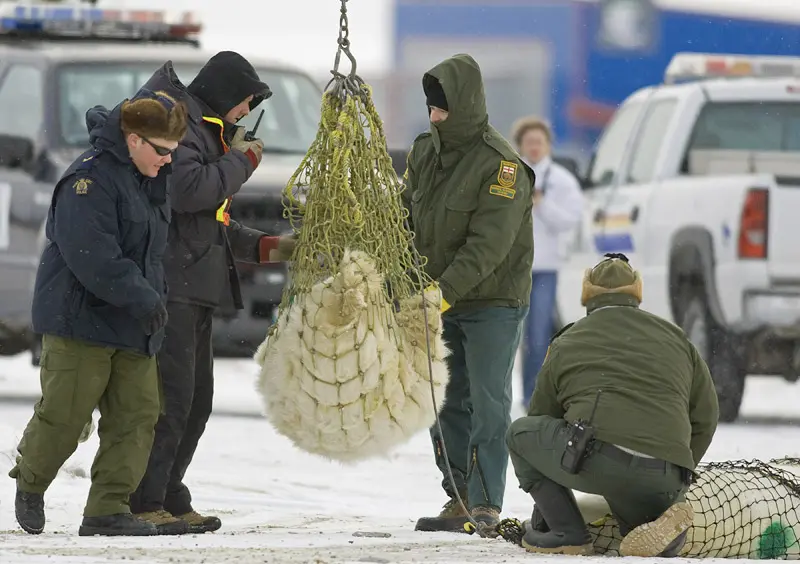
pixel 508 174
pixel 82 186
pixel 503 191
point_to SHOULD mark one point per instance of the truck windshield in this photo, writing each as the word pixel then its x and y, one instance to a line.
pixel 748 126
pixel 289 125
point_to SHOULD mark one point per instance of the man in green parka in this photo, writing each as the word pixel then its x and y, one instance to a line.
pixel 470 197
pixel 625 408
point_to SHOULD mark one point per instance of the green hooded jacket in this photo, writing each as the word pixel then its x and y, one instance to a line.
pixel 470 197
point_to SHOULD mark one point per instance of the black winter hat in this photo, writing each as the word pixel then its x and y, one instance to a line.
pixel 226 80
pixel 434 93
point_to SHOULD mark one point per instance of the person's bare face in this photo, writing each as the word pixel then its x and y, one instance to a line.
pixel 149 155
pixel 438 115
pixel 239 111
pixel 534 145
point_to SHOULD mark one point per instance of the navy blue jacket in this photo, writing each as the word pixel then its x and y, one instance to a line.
pixel 101 271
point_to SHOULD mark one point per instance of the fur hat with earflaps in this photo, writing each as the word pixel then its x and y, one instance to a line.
pixel 155 115
pixel 612 275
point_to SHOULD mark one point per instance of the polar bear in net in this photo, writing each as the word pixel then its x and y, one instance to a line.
pixel 742 509
pixel 345 374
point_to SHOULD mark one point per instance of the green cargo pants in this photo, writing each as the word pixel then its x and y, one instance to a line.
pixel 76 377
pixel 637 489
pixel 477 405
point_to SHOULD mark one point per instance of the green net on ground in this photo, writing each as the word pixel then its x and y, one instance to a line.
pixel 742 509
pixel 351 365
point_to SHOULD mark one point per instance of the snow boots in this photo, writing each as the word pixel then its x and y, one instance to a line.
pixel 450 519
pixel 199 524
pixel 663 537
pixel 119 525
pixel 165 522
pixel 29 510
pixel 561 529
pixel 453 519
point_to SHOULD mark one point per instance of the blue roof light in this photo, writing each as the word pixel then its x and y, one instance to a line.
pixel 77 21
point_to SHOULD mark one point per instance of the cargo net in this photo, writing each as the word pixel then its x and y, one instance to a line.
pixel 742 509
pixel 350 367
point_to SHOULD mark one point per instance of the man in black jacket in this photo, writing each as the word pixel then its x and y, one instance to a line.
pixel 99 302
pixel 211 165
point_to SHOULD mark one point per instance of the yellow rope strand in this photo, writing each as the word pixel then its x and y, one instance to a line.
pixel 352 201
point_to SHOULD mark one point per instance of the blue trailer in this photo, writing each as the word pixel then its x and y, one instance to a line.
pixel 572 61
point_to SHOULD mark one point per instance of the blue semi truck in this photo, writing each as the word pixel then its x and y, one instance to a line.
pixel 572 61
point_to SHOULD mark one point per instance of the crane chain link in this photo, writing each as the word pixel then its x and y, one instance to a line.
pixel 351 84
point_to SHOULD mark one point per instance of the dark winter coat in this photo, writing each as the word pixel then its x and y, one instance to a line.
pixel 200 260
pixel 470 199
pixel 101 271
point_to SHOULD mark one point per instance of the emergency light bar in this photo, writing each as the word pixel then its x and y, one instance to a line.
pixel 79 22
pixel 697 66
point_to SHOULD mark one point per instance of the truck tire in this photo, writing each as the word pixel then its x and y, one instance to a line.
pixel 717 347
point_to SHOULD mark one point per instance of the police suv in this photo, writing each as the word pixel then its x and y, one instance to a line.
pixel 57 61
pixel 697 181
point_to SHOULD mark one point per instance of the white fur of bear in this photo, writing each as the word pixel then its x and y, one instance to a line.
pixel 344 375
pixel 732 509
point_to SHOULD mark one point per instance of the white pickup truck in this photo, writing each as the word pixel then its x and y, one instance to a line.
pixel 697 181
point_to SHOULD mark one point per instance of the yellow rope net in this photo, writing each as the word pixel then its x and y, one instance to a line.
pixel 348 366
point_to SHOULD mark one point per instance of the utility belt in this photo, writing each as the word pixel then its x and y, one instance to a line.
pixel 582 444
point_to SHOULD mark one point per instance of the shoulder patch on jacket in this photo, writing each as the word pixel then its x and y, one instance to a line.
pixel 507 176
pixel 81 186
pixel 502 191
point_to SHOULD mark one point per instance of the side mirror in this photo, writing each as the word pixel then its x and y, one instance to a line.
pixel 15 152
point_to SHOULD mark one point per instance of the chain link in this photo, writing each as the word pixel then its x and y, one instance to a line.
pixel 351 83
pixel 344 31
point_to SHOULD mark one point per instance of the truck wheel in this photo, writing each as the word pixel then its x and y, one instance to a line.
pixel 718 348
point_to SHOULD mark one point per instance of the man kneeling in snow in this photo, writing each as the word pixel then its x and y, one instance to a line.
pixel 625 408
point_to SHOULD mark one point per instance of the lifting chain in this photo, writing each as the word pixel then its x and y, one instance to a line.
pixel 344 85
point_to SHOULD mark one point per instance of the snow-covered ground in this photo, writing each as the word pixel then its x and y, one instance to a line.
pixel 282 505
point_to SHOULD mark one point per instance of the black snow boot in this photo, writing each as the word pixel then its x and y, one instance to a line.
pixel 559 512
pixel 119 525
pixel 29 509
pixel 536 522
pixel 663 537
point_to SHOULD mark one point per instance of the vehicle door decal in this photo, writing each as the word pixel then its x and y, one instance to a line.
pixel 613 234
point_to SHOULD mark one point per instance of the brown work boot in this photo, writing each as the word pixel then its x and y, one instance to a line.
pixel 199 524
pixel 165 522
pixel 452 518
pixel 663 537
pixel 487 519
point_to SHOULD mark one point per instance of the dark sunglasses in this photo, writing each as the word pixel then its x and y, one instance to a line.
pixel 161 151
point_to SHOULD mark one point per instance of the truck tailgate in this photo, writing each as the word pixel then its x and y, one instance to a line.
pixel 783 245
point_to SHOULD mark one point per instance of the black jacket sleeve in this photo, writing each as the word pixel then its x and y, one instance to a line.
pixel 201 186
pixel 86 231
pixel 244 242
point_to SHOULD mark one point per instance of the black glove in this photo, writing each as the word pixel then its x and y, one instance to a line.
pixel 155 320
